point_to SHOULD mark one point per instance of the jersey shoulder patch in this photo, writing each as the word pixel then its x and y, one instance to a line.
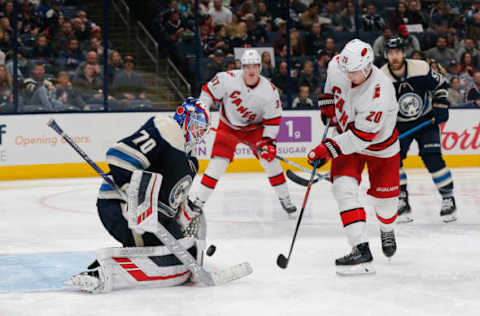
pixel 417 67
pixel 170 131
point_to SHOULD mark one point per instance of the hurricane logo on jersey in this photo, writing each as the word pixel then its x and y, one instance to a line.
pixel 180 191
pixel 410 105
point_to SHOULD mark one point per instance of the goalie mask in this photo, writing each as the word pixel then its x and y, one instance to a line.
pixel 356 56
pixel 194 120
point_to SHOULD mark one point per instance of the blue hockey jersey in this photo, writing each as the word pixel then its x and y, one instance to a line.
pixel 158 146
pixel 418 89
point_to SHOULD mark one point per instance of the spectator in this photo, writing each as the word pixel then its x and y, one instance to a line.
pixel 267 67
pixel 128 85
pixel 456 95
pixel 231 66
pixel 71 57
pixel 174 27
pixel 469 47
pixel 437 67
pixel 441 53
pixel 256 33
pixel 81 30
pixel 241 38
pixel 219 13
pixel 334 18
pixel 38 90
pixel 6 45
pixel 371 21
pixel 399 16
pixel 238 64
pixel 329 47
pixel 322 66
pixel 454 70
pixel 43 51
pixel 306 78
pixel 410 42
pixel 89 86
pixel 473 29
pixel 314 39
pixel 66 95
pixel 418 54
pixel 92 59
pixel 64 37
pixel 468 64
pixel 216 64
pixel 296 42
pixel 303 101
pixel 115 64
pixel 280 78
pixel 6 91
pixel 262 14
pixel 281 37
pixel 310 16
pixel 473 94
pixel 452 40
pixel 24 65
pixel 414 15
pixel 218 41
pixel 379 44
pixel 348 18
pixel 95 44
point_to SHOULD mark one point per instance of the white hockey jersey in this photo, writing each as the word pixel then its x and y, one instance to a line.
pixel 243 107
pixel 366 114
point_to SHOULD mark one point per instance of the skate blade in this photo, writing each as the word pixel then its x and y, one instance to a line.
pixel 403 219
pixel 449 218
pixel 358 269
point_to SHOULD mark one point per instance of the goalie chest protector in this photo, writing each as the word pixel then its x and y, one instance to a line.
pixel 158 146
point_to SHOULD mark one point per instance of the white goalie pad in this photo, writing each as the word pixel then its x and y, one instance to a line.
pixel 143 201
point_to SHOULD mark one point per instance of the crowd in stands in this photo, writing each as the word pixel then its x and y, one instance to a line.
pixel 60 61
pixel 444 33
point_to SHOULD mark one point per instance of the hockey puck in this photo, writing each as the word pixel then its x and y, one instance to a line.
pixel 211 250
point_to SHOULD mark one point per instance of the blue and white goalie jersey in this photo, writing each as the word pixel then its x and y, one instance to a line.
pixel 417 91
pixel 158 146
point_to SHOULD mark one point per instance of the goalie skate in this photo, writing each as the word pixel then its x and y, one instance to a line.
pixel 448 212
pixel 358 262
pixel 404 211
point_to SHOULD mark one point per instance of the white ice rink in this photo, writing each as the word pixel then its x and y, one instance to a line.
pixel 436 270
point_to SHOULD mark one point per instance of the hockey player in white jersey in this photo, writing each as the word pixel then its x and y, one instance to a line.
pixel 360 102
pixel 250 110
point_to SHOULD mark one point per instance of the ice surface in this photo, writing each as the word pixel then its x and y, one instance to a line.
pixel 436 270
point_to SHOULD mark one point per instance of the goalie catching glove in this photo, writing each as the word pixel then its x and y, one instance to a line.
pixel 268 148
pixel 324 152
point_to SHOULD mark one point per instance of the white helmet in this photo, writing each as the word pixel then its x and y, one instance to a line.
pixel 355 56
pixel 251 56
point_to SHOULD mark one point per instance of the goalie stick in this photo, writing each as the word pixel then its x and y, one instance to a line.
pixel 207 278
pixel 292 163
pixel 304 182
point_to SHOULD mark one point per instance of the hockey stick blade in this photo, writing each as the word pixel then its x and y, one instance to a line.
pixel 231 274
pixel 299 180
pixel 282 261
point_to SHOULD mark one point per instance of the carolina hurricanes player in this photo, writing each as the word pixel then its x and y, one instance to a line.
pixel 361 104
pixel 250 110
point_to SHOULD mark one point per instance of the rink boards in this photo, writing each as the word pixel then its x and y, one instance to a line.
pixel 30 150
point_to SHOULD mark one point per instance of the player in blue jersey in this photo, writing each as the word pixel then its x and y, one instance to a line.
pixel 422 95
pixel 163 147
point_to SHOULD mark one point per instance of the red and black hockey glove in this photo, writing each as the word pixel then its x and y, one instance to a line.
pixel 269 148
pixel 324 152
pixel 326 102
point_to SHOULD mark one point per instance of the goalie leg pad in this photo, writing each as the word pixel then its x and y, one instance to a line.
pixel 134 266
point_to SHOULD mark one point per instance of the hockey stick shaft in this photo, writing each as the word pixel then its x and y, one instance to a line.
pixel 416 128
pixel 163 234
pixel 292 163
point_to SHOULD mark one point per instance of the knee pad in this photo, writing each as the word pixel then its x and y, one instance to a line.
pixel 345 191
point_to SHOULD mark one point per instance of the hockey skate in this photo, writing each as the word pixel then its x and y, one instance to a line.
pixel 358 262
pixel 448 212
pixel 288 205
pixel 94 280
pixel 404 210
pixel 389 245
